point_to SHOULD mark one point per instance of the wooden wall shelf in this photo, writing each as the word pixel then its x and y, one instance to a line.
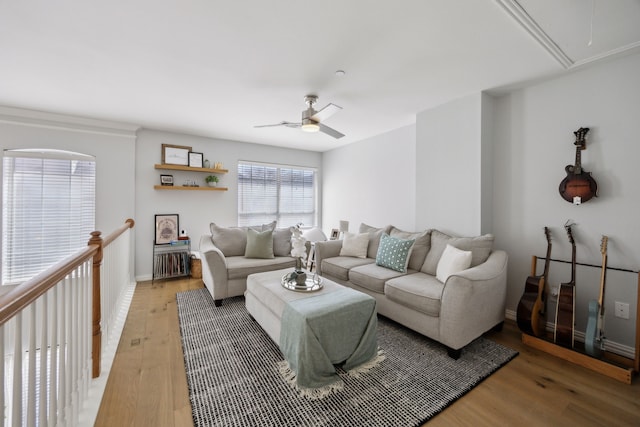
pixel 182 187
pixel 189 169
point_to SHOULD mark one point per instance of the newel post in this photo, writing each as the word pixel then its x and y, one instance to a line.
pixel 97 315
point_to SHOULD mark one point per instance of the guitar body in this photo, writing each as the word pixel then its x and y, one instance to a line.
pixel 530 307
pixel 565 310
pixel 594 335
pixel 591 344
pixel 578 186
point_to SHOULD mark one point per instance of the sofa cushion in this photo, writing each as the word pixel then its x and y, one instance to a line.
pixel 239 267
pixel 259 244
pixel 453 260
pixel 420 247
pixel 232 241
pixel 282 241
pixel 355 245
pixel 419 291
pixel 372 276
pixel 480 248
pixel 339 266
pixel 394 253
pixel 374 238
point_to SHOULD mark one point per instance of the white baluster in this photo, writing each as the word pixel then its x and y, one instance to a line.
pixel 16 411
pixel 53 362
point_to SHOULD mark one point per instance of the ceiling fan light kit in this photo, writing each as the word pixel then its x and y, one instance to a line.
pixel 311 119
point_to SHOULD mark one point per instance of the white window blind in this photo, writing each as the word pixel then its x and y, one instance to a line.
pixel 48 209
pixel 266 193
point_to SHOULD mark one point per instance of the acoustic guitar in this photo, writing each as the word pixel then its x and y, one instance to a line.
pixel 565 309
pixel 532 305
pixel 594 336
pixel 578 186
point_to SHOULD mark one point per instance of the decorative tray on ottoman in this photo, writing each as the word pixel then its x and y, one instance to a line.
pixel 310 284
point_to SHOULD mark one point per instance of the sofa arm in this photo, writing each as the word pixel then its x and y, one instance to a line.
pixel 326 249
pixel 214 268
pixel 473 301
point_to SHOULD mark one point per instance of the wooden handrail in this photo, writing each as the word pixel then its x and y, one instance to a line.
pixel 129 223
pixel 24 294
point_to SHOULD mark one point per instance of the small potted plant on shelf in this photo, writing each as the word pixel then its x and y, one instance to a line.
pixel 212 180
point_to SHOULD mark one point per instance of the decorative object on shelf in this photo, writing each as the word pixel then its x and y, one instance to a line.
pixel 299 252
pixel 212 180
pixel 190 183
pixel 183 235
pixel 335 233
pixel 207 165
pixel 166 180
pixel 218 165
pixel 175 154
pixel 195 159
pixel 578 186
pixel 166 228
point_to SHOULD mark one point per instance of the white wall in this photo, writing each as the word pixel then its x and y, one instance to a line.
pixel 534 142
pixel 196 209
pixel 112 144
pixel 371 181
pixel 448 171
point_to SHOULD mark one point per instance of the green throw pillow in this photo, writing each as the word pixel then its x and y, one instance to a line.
pixel 394 253
pixel 259 244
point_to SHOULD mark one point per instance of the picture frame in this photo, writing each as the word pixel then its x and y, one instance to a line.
pixel 334 234
pixel 175 154
pixel 195 159
pixel 167 226
pixel 166 180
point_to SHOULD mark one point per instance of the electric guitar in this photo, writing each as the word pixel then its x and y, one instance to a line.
pixel 565 309
pixel 532 306
pixel 594 336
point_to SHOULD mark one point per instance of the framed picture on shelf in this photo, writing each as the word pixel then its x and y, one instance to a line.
pixel 334 234
pixel 167 227
pixel 166 180
pixel 195 159
pixel 175 154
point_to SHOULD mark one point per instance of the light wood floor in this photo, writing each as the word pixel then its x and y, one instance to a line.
pixel 147 385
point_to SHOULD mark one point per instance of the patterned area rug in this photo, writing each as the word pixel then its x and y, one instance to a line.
pixel 232 372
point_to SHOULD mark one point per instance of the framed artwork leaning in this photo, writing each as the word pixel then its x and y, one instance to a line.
pixel 167 226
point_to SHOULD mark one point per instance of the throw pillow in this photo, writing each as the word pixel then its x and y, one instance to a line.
pixel 374 238
pixel 259 244
pixel 420 247
pixel 282 241
pixel 394 253
pixel 480 248
pixel 453 260
pixel 355 245
pixel 232 241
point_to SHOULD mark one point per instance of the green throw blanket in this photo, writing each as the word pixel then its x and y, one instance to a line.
pixel 325 330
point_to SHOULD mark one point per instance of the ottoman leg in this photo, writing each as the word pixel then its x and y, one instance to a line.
pixel 217 302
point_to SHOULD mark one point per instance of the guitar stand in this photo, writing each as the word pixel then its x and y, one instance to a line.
pixel 612 365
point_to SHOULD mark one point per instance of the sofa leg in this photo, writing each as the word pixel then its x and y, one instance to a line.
pixel 217 302
pixel 498 327
pixel 454 354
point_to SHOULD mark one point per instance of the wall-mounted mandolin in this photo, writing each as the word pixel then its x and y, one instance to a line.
pixel 531 308
pixel 565 309
pixel 578 186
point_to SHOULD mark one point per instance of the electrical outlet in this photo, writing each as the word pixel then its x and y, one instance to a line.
pixel 622 310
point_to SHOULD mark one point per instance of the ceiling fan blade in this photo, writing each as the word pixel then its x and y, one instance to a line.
pixel 330 131
pixel 328 111
pixel 287 124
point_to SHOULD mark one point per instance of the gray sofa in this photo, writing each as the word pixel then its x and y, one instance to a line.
pixel 455 311
pixel 224 265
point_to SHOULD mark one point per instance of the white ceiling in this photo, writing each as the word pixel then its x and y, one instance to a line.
pixel 217 68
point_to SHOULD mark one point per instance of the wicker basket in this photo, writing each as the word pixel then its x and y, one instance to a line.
pixel 196 267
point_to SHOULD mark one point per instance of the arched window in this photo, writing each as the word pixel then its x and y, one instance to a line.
pixel 48 209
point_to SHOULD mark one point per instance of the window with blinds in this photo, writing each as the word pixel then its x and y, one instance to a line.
pixel 285 194
pixel 48 209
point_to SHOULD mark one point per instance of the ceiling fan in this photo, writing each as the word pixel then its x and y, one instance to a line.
pixel 312 119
